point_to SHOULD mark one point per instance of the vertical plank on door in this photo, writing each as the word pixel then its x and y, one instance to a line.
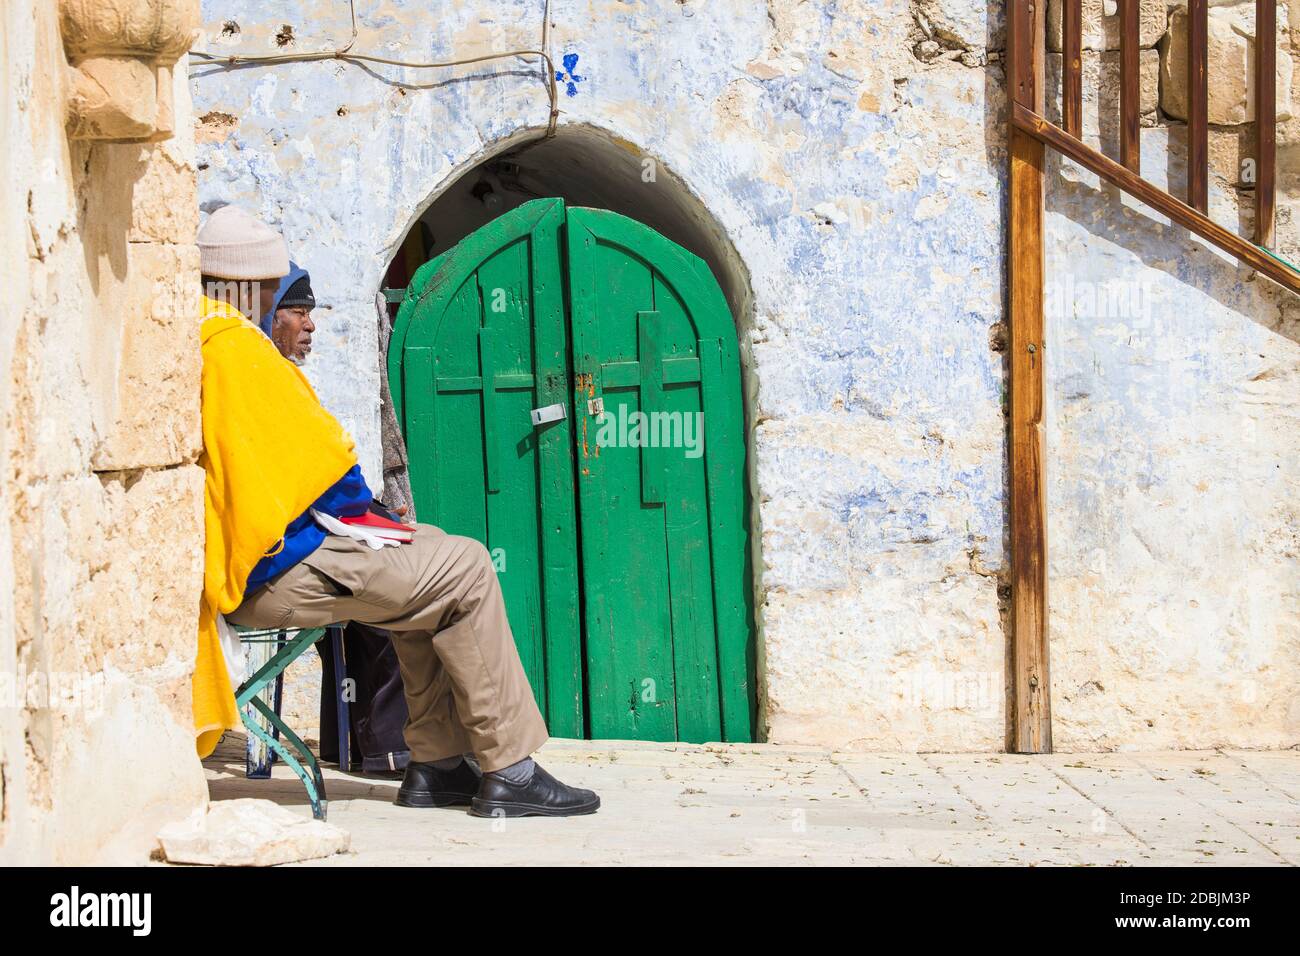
pixel 724 462
pixel 421 443
pixel 506 360
pixel 630 679
pixel 557 516
pixel 457 419
pixel 652 396
pixel 488 395
pixel 686 518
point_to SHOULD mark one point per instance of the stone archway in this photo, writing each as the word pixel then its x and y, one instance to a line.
pixel 584 166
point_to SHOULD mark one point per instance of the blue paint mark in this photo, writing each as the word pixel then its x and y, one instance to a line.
pixel 571 84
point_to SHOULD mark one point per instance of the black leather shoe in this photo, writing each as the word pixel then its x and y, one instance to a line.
pixel 541 796
pixel 424 785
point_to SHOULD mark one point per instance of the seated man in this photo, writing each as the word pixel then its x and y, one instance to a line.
pixel 377 711
pixel 272 454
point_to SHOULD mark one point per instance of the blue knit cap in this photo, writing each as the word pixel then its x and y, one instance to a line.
pixel 296 272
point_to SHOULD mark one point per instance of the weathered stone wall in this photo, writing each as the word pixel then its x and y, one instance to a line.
pixel 1173 421
pixel 101 534
pixel 852 156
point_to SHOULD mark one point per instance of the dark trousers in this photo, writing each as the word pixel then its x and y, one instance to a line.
pixel 378 713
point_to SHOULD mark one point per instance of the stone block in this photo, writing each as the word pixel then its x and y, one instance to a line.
pixel 164 202
pixel 151 189
pixel 1228 150
pixel 1101 24
pixel 152 419
pixel 131 570
pixel 1101 86
pixel 113 98
pixel 69 517
pixel 247 832
pixel 1231 66
pixel 126 742
pixel 957 23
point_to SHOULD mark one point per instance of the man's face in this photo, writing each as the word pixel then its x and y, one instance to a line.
pixel 291 332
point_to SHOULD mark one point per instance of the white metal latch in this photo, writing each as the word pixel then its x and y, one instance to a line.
pixel 548 413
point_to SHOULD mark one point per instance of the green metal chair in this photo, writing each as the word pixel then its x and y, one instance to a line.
pixel 263 720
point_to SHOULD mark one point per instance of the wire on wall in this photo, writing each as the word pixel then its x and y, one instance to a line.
pixel 345 54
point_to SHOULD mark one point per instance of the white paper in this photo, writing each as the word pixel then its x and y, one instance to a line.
pixel 335 526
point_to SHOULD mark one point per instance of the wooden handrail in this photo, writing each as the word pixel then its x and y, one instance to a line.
pixel 1243 249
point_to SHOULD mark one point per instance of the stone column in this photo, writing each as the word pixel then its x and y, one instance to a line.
pixel 101 498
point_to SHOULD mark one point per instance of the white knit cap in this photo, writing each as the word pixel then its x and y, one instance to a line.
pixel 234 244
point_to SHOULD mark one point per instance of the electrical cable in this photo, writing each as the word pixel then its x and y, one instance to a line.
pixel 344 53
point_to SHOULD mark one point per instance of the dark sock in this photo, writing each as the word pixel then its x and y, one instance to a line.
pixel 516 773
pixel 473 763
pixel 448 763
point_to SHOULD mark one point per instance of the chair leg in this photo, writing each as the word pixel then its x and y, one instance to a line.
pixel 340 695
pixel 272 733
pixel 310 775
pixel 279 697
pixel 258 757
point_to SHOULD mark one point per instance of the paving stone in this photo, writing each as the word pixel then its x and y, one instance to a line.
pixel 750 805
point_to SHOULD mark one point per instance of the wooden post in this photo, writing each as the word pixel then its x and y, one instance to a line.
pixel 1198 148
pixel 1265 119
pixel 1032 716
pixel 1072 64
pixel 1130 86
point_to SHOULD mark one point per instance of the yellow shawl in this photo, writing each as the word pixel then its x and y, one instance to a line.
pixel 269 449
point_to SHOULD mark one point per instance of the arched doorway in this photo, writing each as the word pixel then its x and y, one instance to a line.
pixel 585 166
pixel 568 382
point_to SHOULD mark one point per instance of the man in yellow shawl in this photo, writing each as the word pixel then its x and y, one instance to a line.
pixel 280 472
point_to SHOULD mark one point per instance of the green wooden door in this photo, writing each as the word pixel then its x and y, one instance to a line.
pixel 660 486
pixel 653 505
pixel 480 340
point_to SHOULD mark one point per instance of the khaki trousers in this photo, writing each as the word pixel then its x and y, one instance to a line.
pixel 465 686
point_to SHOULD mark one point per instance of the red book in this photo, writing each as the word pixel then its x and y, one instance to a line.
pixel 380 526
